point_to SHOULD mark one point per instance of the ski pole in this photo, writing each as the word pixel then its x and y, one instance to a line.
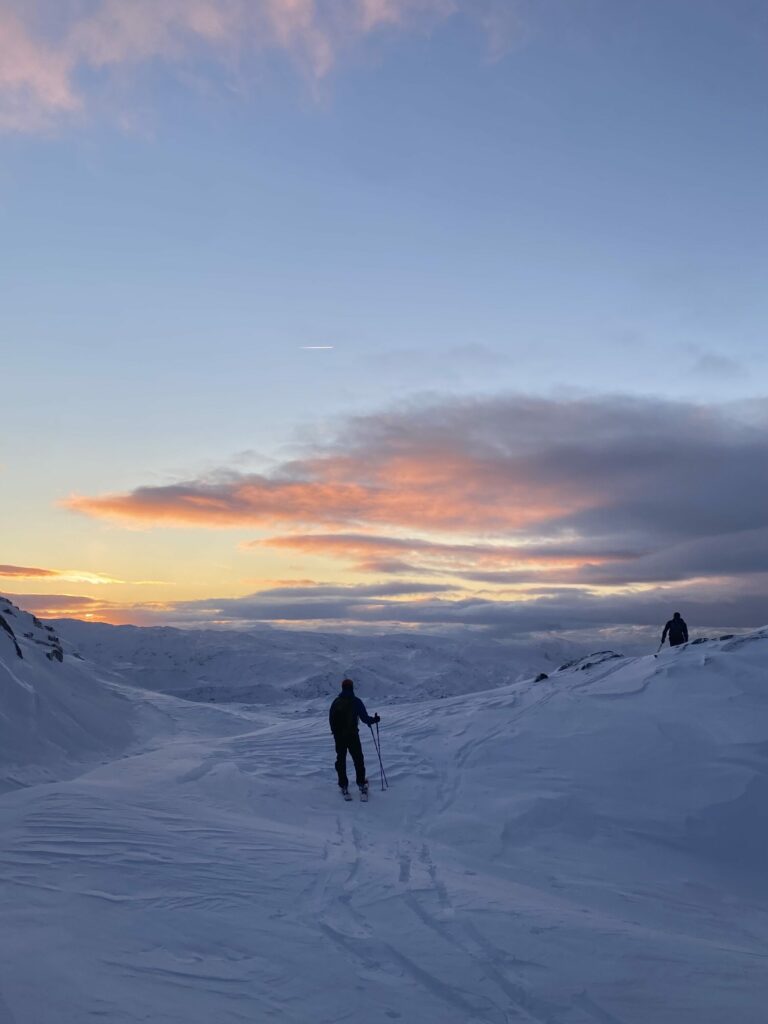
pixel 378 752
pixel 377 743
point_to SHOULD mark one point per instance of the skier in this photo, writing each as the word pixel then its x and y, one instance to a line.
pixel 678 631
pixel 343 717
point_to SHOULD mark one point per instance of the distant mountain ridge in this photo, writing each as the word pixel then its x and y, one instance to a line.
pixel 268 665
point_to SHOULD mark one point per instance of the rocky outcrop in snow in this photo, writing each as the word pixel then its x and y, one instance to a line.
pixel 58 714
pixel 4 626
pixel 29 628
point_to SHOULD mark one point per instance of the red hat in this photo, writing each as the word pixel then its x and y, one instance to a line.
pixel 347 684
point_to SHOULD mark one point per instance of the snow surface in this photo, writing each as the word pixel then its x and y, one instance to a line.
pixel 589 849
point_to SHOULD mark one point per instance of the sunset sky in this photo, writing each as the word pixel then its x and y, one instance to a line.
pixel 385 313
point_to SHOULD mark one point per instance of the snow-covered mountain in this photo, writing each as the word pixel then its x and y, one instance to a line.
pixel 56 714
pixel 588 848
pixel 269 665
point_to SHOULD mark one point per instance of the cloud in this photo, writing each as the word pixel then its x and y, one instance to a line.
pixel 562 611
pixel 324 591
pixel 593 492
pixel 739 554
pixel 372 553
pixel 48 52
pixel 573 612
pixel 76 606
pixel 25 572
pixel 422 488
pixel 715 365
pixel 70 576
pixel 504 25
pixel 602 513
pixel 35 78
pixel 51 603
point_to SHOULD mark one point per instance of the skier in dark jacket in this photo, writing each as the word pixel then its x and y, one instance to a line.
pixel 343 717
pixel 678 631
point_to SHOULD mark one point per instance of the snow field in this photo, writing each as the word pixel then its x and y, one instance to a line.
pixel 584 850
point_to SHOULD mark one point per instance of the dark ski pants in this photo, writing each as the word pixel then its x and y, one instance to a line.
pixel 351 744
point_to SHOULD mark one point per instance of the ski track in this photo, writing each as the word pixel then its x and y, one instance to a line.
pixel 216 879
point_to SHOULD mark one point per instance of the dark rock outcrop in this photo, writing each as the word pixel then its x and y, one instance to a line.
pixel 4 625
pixel 41 635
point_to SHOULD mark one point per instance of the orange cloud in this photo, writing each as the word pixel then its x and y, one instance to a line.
pixel 25 572
pixel 70 575
pixel 585 491
pixel 73 606
pixel 490 563
pixel 424 489
pixel 367 546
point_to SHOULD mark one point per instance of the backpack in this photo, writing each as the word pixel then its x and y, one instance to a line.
pixel 343 716
pixel 676 630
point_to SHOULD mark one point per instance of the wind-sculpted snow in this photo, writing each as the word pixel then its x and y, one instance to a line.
pixel 272 665
pixel 586 849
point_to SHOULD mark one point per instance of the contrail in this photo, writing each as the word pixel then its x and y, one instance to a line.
pixel 315 348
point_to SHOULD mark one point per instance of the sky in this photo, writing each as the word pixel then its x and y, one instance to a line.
pixel 413 314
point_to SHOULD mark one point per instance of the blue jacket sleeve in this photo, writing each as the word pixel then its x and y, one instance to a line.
pixel 362 714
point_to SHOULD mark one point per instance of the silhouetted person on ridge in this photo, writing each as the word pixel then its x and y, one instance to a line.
pixel 678 631
pixel 343 717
